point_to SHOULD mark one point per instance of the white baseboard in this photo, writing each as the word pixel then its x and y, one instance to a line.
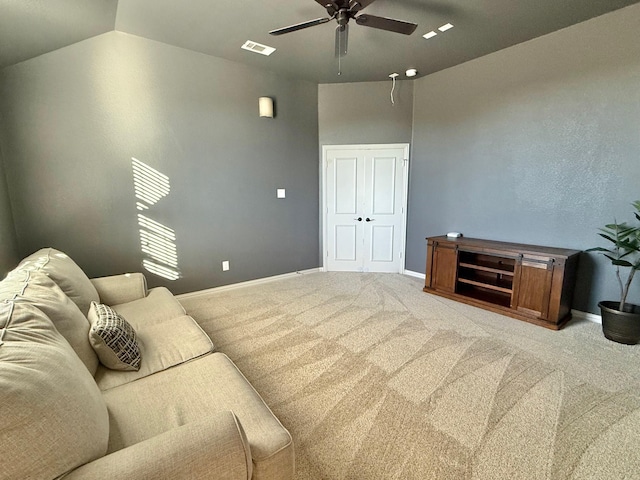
pixel 249 283
pixel 414 274
pixel 592 317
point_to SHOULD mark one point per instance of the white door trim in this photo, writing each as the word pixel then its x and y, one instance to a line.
pixel 405 193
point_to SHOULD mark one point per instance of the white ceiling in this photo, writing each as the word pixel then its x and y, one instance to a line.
pixel 32 27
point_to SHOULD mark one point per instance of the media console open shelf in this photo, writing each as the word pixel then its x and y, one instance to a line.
pixel 527 282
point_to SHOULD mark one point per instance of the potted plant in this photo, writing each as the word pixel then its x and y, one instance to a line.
pixel 621 320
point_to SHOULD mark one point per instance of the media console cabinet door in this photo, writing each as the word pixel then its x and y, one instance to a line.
pixel 534 286
pixel 445 267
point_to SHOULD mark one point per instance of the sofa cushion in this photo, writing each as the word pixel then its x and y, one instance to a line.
pixel 191 391
pixel 66 273
pixel 39 290
pixel 54 418
pixel 113 339
pixel 162 345
pixel 157 307
pixel 122 288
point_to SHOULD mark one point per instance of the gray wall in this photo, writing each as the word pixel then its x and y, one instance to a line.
pixel 536 144
pixel 362 113
pixel 75 118
pixel 8 247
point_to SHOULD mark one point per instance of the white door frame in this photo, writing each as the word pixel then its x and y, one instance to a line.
pixel 405 193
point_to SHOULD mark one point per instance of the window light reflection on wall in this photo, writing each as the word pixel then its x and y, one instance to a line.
pixel 157 241
pixel 150 185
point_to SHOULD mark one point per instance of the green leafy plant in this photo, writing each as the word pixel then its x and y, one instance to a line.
pixel 625 252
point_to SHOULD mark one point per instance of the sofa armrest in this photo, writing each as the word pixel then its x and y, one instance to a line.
pixel 118 289
pixel 215 447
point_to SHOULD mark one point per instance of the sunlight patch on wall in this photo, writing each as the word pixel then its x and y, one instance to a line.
pixel 158 244
pixel 157 241
pixel 159 270
pixel 150 185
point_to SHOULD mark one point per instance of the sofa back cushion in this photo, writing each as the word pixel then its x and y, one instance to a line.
pixel 66 273
pixel 54 418
pixel 39 290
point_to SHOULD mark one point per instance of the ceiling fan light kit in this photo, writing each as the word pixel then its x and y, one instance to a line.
pixel 344 10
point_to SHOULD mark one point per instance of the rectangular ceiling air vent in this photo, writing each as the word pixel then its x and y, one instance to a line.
pixel 256 47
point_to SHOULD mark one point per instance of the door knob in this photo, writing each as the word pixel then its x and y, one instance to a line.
pixel 369 219
pixel 358 219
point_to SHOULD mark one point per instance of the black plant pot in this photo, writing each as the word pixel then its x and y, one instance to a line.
pixel 621 326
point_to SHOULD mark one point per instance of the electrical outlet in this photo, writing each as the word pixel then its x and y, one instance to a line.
pixel 280 193
pixel 225 265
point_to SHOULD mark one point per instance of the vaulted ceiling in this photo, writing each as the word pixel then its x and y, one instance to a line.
pixel 29 28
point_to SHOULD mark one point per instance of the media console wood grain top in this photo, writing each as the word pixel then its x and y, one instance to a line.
pixel 527 282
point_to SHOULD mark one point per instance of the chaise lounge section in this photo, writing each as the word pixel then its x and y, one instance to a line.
pixel 186 412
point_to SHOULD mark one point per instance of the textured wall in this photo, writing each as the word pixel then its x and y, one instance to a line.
pixel 360 113
pixel 76 117
pixel 536 144
pixel 8 248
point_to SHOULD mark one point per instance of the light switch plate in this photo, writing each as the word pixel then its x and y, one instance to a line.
pixel 280 193
pixel 225 265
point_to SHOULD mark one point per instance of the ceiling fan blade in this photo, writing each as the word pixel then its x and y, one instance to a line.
pixel 389 24
pixel 299 26
pixel 356 5
pixel 342 40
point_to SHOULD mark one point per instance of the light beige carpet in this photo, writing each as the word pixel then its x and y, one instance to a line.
pixel 376 379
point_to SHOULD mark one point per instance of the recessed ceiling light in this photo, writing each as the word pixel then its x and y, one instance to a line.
pixel 412 72
pixel 445 27
pixel 429 35
pixel 256 47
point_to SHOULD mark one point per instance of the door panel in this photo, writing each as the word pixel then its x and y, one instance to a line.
pixel 346 191
pixel 344 196
pixel 383 192
pixel 382 243
pixel 383 235
pixel 346 246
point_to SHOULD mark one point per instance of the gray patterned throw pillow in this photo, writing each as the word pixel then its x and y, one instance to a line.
pixel 113 339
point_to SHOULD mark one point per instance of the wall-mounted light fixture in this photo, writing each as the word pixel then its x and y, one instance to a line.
pixel 265 106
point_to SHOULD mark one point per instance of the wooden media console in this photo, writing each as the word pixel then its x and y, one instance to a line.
pixel 527 282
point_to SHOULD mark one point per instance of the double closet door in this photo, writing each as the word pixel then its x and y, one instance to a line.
pixel 365 195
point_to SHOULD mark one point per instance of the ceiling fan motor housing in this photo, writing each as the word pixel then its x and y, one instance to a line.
pixel 343 17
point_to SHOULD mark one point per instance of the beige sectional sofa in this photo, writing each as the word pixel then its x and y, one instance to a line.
pixel 188 412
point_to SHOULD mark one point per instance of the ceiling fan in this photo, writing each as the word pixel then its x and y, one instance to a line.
pixel 343 11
